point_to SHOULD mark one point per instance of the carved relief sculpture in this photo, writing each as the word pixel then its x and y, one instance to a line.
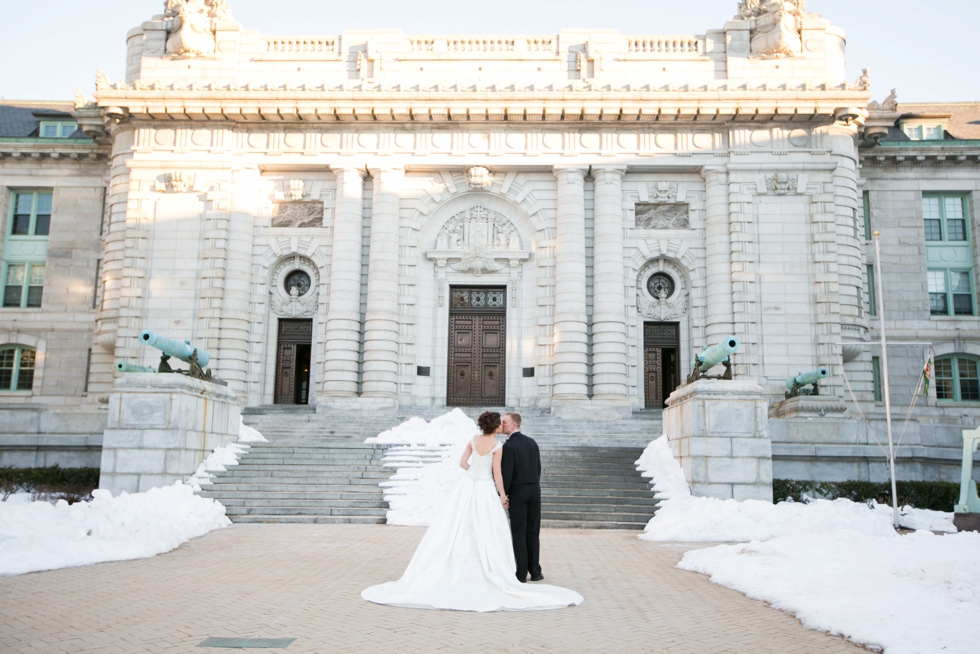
pixel 662 301
pixel 296 189
pixel 191 25
pixel 479 177
pixel 776 26
pixel 294 291
pixel 176 182
pixel 781 183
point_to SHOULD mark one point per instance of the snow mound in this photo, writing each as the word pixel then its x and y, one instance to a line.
pixel 40 536
pixel 906 594
pixel 247 434
pixel 682 517
pixel 453 428
pixel 426 464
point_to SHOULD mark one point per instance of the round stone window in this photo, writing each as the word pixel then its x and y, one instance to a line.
pixel 299 280
pixel 660 286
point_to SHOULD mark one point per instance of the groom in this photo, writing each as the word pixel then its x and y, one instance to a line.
pixel 521 468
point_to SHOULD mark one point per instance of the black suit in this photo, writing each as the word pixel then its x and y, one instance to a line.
pixel 521 469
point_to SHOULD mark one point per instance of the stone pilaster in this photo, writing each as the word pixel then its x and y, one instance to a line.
pixel 609 319
pixel 343 313
pixel 381 318
pixel 718 246
pixel 571 330
pixel 232 359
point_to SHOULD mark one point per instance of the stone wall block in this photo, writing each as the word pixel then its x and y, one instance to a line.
pixel 161 439
pixel 752 447
pixel 143 411
pixel 140 461
pixel 733 470
pixel 711 447
pixel 730 418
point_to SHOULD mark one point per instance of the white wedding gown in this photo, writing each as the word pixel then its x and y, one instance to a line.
pixel 465 561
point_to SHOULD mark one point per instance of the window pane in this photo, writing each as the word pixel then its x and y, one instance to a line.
pixel 876 377
pixel 938 305
pixel 933 230
pixel 67 129
pixel 6 368
pixel 933 132
pixel 914 133
pixel 37 275
pixel 956 230
pixel 937 281
pixel 49 130
pixel 944 379
pixel 42 225
pixel 963 305
pixel 44 203
pixel 954 207
pixel 25 203
pixel 34 294
pixel 16 275
pixel 25 377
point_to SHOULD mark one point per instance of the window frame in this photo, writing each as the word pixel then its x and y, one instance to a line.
pixel 955 367
pixel 876 380
pixel 25 289
pixel 943 229
pixel 16 370
pixel 60 125
pixel 872 291
pixel 948 286
pixel 32 227
pixel 866 209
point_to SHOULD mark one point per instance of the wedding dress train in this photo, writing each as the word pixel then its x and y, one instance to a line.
pixel 465 561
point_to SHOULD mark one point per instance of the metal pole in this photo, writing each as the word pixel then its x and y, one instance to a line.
pixel 884 374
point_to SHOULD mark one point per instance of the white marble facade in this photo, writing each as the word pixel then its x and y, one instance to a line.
pixel 569 168
pixel 393 167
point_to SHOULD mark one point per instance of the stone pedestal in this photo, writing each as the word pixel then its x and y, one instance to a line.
pixel 718 431
pixel 809 406
pixel 160 428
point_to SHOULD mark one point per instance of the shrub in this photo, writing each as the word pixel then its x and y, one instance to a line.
pixel 934 495
pixel 71 493
pixel 52 480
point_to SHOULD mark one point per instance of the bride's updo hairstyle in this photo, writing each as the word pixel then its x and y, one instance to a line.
pixel 488 421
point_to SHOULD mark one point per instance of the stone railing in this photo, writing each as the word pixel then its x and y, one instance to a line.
pixel 666 46
pixel 302 46
pixel 489 46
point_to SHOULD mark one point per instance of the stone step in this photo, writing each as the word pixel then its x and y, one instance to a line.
pixel 232 485
pixel 334 480
pixel 303 510
pixel 592 524
pixel 641 518
pixel 605 508
pixel 606 501
pixel 260 518
pixel 291 494
pixel 289 504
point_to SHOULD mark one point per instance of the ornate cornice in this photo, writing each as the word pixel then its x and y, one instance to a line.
pixel 53 151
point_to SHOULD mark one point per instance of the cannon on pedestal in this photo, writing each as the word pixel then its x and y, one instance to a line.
pixel 196 358
pixel 711 357
pixel 796 386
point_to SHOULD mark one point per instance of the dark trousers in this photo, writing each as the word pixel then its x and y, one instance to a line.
pixel 525 528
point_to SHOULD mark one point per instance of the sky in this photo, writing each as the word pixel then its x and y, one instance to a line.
pixel 925 50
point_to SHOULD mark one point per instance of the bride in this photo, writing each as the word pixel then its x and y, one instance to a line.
pixel 465 561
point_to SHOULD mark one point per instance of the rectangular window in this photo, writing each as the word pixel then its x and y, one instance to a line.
pixel 57 130
pixel 938 305
pixel 944 379
pixel 876 377
pixel 31 215
pixel 25 249
pixel 950 289
pixel 947 234
pixel 969 382
pixel 872 292
pixel 866 205
pixel 23 285
pixel 945 218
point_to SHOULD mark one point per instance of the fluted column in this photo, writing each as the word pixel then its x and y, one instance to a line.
pixel 718 246
pixel 381 319
pixel 609 317
pixel 571 330
pixel 344 311
pixel 237 291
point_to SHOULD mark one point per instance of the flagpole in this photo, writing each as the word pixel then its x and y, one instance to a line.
pixel 884 371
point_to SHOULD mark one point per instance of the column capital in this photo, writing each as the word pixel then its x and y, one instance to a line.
pixel 712 174
pixel 569 173
pixel 349 170
pixel 392 172
pixel 605 174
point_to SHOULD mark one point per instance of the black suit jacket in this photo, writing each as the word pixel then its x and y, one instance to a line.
pixel 520 462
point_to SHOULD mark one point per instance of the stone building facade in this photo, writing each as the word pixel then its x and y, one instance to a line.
pixel 373 220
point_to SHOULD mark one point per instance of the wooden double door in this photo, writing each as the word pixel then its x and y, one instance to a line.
pixel 293 361
pixel 477 346
pixel 661 369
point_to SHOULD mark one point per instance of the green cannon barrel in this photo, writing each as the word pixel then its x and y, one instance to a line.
pixel 122 366
pixel 716 354
pixel 804 379
pixel 178 349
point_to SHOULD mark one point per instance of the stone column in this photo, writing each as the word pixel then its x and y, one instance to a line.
pixel 381 320
pixel 721 322
pixel 609 317
pixel 232 359
pixel 571 368
pixel 344 311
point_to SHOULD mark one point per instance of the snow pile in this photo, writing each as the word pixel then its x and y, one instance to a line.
pixel 247 434
pixel 907 594
pixel 684 518
pixel 426 462
pixel 41 536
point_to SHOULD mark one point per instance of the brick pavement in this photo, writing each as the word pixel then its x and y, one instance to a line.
pixel 304 581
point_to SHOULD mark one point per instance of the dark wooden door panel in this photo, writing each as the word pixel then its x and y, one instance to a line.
pixel 661 343
pixel 293 362
pixel 477 343
pixel 653 366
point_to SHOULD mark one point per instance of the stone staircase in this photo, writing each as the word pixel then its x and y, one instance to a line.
pixel 318 471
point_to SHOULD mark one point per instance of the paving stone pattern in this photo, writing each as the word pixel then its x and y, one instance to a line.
pixel 304 582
